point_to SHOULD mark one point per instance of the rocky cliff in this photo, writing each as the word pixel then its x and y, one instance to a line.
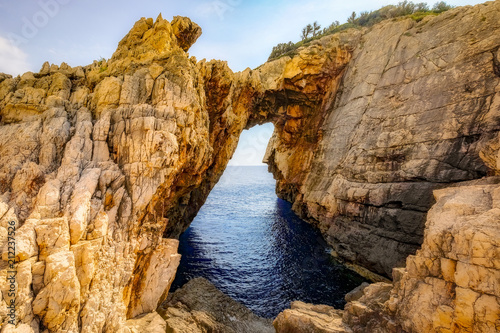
pixel 414 107
pixel 99 166
pixel 450 285
pixel 103 166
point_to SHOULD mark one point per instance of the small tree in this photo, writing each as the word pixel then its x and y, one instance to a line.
pixel 316 28
pixel 405 8
pixel 281 49
pixel 304 34
pixel 352 19
pixel 332 26
pixel 441 6
pixel 364 18
pixel 309 29
pixel 421 7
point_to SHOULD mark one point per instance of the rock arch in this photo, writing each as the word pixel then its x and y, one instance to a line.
pixel 103 166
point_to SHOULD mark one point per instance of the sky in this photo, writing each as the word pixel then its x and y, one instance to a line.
pixel 242 32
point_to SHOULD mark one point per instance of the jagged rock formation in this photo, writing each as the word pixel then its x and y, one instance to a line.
pixel 94 163
pixel 302 317
pixel 451 284
pixel 151 323
pixel 200 307
pixel 103 161
pixel 102 167
pixel 98 163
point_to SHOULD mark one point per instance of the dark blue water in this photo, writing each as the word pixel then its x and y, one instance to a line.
pixel 252 246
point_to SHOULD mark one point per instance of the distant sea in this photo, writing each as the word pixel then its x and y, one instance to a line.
pixel 252 246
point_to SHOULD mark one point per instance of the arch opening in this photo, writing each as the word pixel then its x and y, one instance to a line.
pixel 251 245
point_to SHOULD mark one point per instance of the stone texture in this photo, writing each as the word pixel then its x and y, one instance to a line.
pixel 456 274
pixel 417 103
pixel 96 163
pixel 151 323
pixel 103 166
pixel 200 307
pixel 451 284
pixel 304 317
pixel 107 164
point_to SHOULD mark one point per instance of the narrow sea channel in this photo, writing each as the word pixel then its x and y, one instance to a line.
pixel 253 247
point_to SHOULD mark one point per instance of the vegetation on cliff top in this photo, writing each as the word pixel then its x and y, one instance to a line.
pixel 416 11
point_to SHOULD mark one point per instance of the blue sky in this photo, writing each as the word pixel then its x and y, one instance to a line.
pixel 242 32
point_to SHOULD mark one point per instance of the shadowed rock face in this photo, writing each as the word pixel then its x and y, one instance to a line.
pixel 103 166
pixel 200 307
pixel 450 285
pixel 416 104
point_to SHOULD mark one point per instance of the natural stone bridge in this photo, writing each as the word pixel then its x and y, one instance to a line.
pixel 103 166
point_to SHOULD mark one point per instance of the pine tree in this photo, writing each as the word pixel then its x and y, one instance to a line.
pixel 352 19
pixel 304 34
pixel 316 28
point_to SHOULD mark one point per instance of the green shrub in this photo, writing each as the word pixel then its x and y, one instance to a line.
pixel 416 11
pixel 419 16
pixel 441 6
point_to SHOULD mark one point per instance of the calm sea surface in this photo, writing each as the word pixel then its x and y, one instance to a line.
pixel 252 246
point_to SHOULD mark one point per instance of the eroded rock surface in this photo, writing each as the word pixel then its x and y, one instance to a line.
pixel 302 317
pixel 103 166
pixel 200 307
pixel 450 285
pixel 151 323
pixel 417 103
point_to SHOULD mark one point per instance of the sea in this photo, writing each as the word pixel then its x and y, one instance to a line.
pixel 252 246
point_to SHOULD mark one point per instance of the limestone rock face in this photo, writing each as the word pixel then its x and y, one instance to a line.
pixel 151 323
pixel 200 307
pixel 457 272
pixel 107 164
pixel 417 103
pixel 450 285
pixel 304 317
pixel 103 166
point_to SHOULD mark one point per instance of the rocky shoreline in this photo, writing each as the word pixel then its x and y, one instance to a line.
pixel 102 167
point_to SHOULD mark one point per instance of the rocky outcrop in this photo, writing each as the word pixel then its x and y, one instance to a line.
pixel 450 285
pixel 416 104
pixel 103 166
pixel 302 317
pixel 151 323
pixel 200 307
pixel 100 167
pixel 456 274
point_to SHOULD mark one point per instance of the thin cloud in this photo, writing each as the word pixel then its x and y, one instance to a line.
pixel 12 59
pixel 216 8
